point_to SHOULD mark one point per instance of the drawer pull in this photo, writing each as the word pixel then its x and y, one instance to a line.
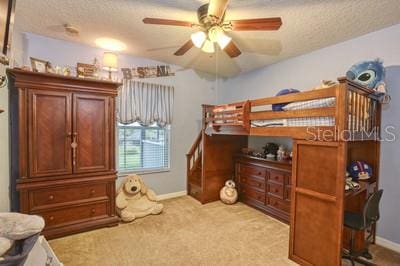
pixel 259 173
pixel 51 197
pixel 92 191
pixel 276 190
pixel 93 211
pixel 51 218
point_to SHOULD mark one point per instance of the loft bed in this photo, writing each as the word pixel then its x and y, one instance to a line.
pixel 346 111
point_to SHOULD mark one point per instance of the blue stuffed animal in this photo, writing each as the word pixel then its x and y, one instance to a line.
pixel 370 74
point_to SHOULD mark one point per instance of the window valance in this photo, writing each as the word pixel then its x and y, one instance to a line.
pixel 145 103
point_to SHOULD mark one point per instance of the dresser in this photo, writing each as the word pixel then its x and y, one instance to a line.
pixel 264 184
pixel 63 150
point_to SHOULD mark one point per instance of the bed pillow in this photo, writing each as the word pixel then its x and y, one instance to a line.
pixel 311 104
pixel 279 106
pixel 17 226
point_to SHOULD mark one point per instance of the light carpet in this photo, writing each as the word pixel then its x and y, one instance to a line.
pixel 186 233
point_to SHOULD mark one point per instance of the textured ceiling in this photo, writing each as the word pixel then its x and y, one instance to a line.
pixel 307 25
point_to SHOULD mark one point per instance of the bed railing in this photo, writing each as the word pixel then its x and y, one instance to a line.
pixel 354 115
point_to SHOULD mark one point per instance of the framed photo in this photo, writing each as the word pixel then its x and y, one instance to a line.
pixel 85 70
pixel 39 65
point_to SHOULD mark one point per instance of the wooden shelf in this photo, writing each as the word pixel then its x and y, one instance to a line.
pixel 287 162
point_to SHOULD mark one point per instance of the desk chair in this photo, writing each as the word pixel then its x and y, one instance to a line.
pixel 360 222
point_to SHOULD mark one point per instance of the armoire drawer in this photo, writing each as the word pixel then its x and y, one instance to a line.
pixel 65 194
pixel 252 170
pixel 253 194
pixel 278 204
pixel 257 183
pixel 76 214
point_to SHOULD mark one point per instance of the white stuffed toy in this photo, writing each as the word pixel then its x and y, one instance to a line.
pixel 135 200
pixel 228 193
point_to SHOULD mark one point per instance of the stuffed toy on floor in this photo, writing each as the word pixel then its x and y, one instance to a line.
pixel 228 193
pixel 135 200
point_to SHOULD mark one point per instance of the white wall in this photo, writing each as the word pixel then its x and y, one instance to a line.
pixel 306 71
pixel 191 90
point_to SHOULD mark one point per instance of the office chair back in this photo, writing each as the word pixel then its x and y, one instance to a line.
pixel 371 208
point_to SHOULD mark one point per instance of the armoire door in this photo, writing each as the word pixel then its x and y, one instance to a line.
pixel 317 202
pixel 49 133
pixel 91 133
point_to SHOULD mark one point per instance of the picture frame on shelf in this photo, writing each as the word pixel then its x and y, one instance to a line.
pixel 85 70
pixel 39 65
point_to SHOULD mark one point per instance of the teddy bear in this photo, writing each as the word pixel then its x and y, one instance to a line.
pixel 228 193
pixel 135 200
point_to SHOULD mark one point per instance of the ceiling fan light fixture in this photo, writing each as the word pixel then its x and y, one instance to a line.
pixel 208 47
pixel 198 38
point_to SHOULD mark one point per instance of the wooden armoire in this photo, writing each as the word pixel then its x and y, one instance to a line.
pixel 62 132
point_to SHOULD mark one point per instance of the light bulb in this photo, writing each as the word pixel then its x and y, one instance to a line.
pixel 198 38
pixel 223 41
pixel 208 47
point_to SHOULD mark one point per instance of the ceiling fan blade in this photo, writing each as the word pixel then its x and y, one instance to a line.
pixel 186 47
pixel 232 50
pixel 169 22
pixel 256 24
pixel 216 8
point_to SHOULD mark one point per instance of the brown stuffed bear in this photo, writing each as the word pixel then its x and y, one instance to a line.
pixel 135 200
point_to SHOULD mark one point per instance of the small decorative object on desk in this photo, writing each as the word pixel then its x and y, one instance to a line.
pixel 281 153
pixel 66 71
pixel 271 149
pixel 360 170
pixel 228 193
pixel 351 185
pixel 135 200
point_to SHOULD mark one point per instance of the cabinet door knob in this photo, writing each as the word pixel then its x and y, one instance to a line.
pixel 93 211
pixel 51 218
pixel 92 191
pixel 51 197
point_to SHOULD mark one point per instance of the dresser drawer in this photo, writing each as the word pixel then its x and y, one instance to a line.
pixel 275 190
pixel 77 214
pixel 70 193
pixel 278 204
pixel 253 182
pixel 277 177
pixel 248 169
pixel 253 194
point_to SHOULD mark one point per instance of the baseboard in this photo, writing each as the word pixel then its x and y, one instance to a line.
pixel 388 244
pixel 172 195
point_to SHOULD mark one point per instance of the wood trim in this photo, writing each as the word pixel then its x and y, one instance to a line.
pixel 295 97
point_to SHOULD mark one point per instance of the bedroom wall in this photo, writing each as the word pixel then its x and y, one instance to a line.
pixel 306 71
pixel 191 90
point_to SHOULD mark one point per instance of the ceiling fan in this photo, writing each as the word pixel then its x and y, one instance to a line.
pixel 213 27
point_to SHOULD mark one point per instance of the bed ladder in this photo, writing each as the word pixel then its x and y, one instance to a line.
pixel 194 162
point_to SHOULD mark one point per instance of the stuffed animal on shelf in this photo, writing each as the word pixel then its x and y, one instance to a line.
pixel 270 150
pixel 360 170
pixel 228 193
pixel 370 74
pixel 135 200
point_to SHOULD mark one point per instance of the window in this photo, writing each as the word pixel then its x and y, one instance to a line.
pixel 143 148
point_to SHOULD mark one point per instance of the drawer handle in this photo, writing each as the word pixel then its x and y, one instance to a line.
pixel 276 190
pixel 92 191
pixel 93 211
pixel 51 218
pixel 51 197
pixel 259 184
pixel 259 173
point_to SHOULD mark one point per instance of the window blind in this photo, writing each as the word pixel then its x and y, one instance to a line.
pixel 143 148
